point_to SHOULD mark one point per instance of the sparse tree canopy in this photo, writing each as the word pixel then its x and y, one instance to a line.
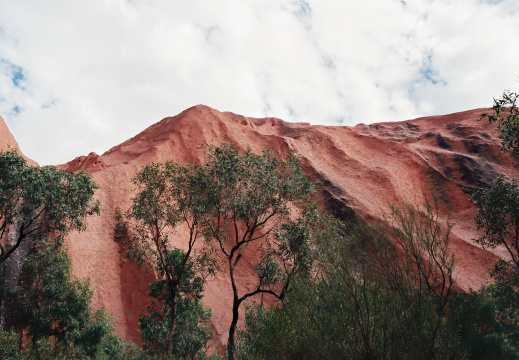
pixel 168 195
pixel 498 205
pixel 368 299
pixel 252 199
pixel 506 117
pixel 233 199
pixel 498 216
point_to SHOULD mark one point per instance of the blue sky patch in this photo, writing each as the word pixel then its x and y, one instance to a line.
pixel 16 73
pixel 429 73
pixel 18 76
pixel 304 8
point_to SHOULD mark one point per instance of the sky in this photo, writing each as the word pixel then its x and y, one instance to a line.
pixel 80 76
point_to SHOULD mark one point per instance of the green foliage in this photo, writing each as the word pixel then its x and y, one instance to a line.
pixel 484 324
pixel 191 334
pixel 47 306
pixel 168 195
pixel 231 198
pixel 113 348
pixel 53 311
pixel 505 293
pixel 366 299
pixel 474 328
pixel 41 200
pixel 52 305
pixel 506 117
pixel 344 312
pixel 497 335
pixel 251 188
pixel 491 320
pixel 9 345
pixel 498 216
pixel 251 198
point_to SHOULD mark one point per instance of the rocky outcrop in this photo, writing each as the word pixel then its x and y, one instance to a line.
pixel 362 170
pixel 8 142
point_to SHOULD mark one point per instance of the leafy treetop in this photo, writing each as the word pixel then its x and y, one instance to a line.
pixel 41 200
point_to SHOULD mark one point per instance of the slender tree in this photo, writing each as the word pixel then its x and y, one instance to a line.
pixel 422 277
pixel 366 299
pixel 168 194
pixel 253 200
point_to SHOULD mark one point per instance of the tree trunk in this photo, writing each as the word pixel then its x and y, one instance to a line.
pixel 235 313
pixel 232 331
pixel 13 271
pixel 173 323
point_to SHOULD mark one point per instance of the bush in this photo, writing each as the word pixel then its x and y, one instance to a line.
pixel 366 300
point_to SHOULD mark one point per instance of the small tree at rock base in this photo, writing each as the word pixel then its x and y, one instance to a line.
pixel 498 216
pixel 191 333
pixel 367 299
pixel 252 198
pixel 168 194
pixel 54 308
pixel 36 203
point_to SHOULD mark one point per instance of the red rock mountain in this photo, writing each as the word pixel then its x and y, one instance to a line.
pixel 362 170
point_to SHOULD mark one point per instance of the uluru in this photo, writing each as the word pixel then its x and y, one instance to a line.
pixel 361 170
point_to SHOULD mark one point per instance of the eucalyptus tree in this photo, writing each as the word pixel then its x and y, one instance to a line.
pixel 375 293
pixel 498 217
pixel 37 202
pixel 254 198
pixel 505 114
pixel 168 194
pixel 41 201
pixel 498 204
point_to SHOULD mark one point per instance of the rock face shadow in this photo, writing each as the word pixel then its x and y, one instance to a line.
pixel 134 283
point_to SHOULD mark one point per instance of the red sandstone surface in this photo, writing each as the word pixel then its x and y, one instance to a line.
pixel 362 169
pixel 8 142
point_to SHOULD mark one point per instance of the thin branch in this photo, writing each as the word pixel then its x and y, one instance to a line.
pixel 258 291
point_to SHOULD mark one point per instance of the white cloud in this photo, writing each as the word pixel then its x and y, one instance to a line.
pixel 92 74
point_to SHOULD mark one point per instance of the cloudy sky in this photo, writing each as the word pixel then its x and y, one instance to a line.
pixel 80 76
